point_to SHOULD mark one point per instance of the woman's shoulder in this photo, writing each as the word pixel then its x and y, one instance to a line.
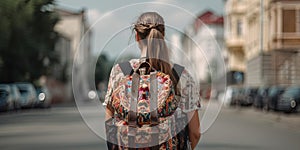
pixel 134 63
pixel 184 72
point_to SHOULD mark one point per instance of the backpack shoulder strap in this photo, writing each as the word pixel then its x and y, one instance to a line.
pixel 126 68
pixel 177 71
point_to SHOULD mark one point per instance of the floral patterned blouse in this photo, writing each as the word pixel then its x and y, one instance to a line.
pixel 189 99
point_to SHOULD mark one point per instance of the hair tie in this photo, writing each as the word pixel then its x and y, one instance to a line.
pixel 151 26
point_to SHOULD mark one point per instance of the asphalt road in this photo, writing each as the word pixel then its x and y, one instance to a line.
pixel 62 128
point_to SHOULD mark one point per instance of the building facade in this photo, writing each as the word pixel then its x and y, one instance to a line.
pixel 268 49
pixel 74 42
pixel 283 41
pixel 234 35
pixel 204 44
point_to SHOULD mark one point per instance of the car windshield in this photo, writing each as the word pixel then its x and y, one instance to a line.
pixel 250 91
pixel 3 93
pixel 274 91
pixel 4 87
pixel 261 91
pixel 23 89
pixel 292 91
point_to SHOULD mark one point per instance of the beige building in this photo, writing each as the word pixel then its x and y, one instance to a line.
pixel 234 35
pixel 204 44
pixel 74 42
pixel 264 42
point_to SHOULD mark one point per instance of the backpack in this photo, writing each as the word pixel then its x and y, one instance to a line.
pixel 142 104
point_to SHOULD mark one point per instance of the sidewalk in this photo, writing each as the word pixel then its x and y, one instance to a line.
pixel 276 118
pixel 291 120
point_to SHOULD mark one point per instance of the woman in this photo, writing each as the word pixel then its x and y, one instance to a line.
pixel 149 33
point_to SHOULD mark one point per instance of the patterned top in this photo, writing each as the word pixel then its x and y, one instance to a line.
pixel 189 99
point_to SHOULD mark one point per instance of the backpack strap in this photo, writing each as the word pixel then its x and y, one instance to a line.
pixel 177 71
pixel 153 98
pixel 153 111
pixel 126 68
pixel 132 114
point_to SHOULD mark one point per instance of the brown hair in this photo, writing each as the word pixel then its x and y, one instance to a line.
pixel 151 29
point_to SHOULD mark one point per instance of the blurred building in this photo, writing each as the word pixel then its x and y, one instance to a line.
pixel 176 49
pixel 235 18
pixel 263 40
pixel 74 41
pixel 204 43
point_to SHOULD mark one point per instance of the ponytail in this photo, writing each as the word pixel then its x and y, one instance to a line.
pixel 150 28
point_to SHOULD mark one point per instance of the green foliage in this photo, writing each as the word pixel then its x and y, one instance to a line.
pixel 27 39
pixel 103 68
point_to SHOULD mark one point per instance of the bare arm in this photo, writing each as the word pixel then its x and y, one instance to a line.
pixel 194 128
pixel 109 111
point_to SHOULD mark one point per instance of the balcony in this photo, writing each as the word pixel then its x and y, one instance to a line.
pixel 234 43
pixel 285 41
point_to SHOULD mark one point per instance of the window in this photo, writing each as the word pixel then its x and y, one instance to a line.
pixel 289 21
pixel 228 27
pixel 298 20
pixel 239 28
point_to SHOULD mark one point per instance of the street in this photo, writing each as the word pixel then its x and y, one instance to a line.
pixel 61 128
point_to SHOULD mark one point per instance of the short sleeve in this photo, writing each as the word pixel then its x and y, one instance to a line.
pixel 113 79
pixel 189 93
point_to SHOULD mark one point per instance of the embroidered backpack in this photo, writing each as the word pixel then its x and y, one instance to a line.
pixel 143 104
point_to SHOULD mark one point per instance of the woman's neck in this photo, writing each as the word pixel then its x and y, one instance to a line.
pixel 144 52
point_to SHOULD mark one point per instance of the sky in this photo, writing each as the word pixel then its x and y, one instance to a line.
pixel 111 21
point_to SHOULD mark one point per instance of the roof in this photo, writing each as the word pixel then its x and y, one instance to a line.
pixel 63 11
pixel 208 18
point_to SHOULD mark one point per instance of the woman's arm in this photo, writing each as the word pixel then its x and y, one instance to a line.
pixel 194 128
pixel 109 112
pixel 107 102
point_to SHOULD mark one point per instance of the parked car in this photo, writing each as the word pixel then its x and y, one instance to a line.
pixel 247 96
pixel 272 98
pixel 43 97
pixel 6 99
pixel 236 93
pixel 260 97
pixel 16 96
pixel 221 97
pixel 28 95
pixel 290 100
pixel 226 96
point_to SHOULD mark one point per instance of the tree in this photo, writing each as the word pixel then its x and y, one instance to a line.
pixel 103 68
pixel 27 39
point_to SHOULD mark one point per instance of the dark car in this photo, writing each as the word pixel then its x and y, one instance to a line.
pixel 43 98
pixel 28 95
pixel 290 100
pixel 260 97
pixel 16 96
pixel 272 98
pixel 247 98
pixel 6 99
pixel 236 92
